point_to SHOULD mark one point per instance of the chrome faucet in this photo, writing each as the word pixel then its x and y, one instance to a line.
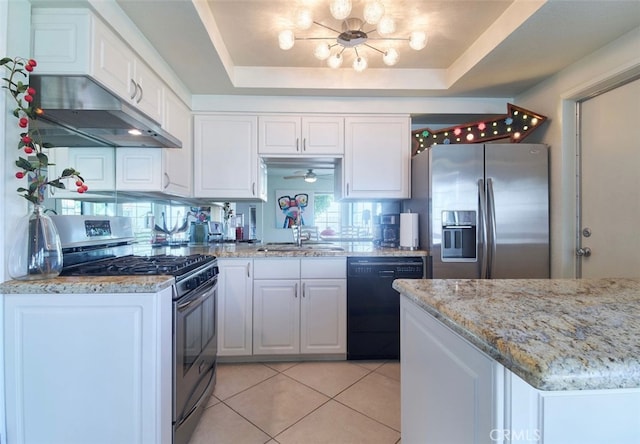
pixel 297 229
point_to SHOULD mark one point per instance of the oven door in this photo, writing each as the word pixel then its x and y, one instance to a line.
pixel 195 347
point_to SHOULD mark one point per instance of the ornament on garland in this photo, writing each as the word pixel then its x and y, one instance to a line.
pixel 517 124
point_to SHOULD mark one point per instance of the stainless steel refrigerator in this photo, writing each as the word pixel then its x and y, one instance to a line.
pixel 484 210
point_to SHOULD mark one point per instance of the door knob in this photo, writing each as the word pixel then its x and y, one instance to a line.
pixel 586 252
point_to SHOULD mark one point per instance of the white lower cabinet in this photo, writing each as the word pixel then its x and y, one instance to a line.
pixel 88 367
pixel 448 386
pixel 453 393
pixel 276 316
pixel 235 307
pixel 323 316
pixel 299 306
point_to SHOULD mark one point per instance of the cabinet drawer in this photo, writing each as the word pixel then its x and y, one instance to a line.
pixel 323 268
pixel 288 268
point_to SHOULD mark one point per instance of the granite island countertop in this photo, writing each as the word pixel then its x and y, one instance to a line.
pixel 557 334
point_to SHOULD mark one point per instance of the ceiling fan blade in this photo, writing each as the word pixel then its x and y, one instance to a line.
pixel 293 177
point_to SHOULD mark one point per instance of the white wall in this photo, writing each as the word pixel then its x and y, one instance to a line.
pixel 556 98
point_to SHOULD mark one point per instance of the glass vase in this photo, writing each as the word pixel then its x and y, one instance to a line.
pixel 36 252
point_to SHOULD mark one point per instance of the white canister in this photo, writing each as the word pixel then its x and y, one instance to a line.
pixel 409 231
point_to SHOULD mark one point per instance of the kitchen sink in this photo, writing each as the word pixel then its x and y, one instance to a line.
pixel 293 244
pixel 306 246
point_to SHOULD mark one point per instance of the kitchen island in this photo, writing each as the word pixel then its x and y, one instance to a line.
pixel 553 361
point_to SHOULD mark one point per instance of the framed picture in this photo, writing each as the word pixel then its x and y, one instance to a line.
pixel 290 203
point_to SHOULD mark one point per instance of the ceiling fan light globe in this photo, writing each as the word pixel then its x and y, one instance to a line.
pixel 418 40
pixel 340 9
pixel 286 39
pixel 373 12
pixel 360 64
pixel 335 61
pixel 304 18
pixel 310 179
pixel 390 57
pixel 386 26
pixel 322 51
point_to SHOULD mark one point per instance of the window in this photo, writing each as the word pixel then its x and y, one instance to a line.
pixel 350 220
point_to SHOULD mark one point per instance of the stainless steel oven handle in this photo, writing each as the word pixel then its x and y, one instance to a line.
pixel 203 295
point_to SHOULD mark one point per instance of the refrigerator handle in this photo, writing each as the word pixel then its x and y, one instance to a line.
pixel 491 209
pixel 482 242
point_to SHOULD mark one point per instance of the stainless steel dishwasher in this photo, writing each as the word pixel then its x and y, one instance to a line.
pixel 373 306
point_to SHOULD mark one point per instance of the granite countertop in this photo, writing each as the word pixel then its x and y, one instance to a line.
pixel 153 284
pixel 558 334
pixel 94 284
pixel 249 250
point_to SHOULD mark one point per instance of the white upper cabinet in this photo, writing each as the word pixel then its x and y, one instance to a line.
pixel 226 164
pixel 74 41
pixel 118 68
pixel 178 163
pixel 295 135
pixel 96 166
pixel 139 169
pixel 377 157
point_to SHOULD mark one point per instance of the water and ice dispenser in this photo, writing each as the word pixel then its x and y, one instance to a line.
pixel 459 236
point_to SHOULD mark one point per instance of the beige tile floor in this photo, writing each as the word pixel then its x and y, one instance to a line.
pixel 309 402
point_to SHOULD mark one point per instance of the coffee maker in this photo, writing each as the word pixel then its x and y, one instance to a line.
pixel 386 230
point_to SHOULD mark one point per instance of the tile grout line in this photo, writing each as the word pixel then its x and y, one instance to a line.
pixel 330 398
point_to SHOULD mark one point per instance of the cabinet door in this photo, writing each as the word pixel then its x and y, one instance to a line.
pixel 439 368
pixel 113 62
pixel 235 307
pixel 377 157
pixel 178 163
pixel 96 165
pixel 279 135
pixel 276 317
pixel 226 157
pixel 323 320
pixel 293 135
pixel 149 96
pixel 139 169
pixel 80 358
pixel 323 135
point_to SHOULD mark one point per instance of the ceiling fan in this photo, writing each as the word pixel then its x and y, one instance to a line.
pixel 308 176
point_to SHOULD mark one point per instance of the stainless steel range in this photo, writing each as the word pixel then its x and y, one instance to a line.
pixel 102 246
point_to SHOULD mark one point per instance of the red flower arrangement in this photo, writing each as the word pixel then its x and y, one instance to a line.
pixel 34 167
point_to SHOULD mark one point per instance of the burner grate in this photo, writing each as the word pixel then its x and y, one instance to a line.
pixel 140 265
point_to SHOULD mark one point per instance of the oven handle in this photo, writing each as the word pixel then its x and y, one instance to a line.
pixel 202 292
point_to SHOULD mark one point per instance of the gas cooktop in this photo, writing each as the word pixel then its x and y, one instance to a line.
pixel 176 266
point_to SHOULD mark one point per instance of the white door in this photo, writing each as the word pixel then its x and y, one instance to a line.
pixel 610 184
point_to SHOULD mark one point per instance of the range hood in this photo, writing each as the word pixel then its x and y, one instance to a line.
pixel 78 112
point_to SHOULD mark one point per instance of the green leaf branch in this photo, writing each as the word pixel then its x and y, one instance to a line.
pixel 35 166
